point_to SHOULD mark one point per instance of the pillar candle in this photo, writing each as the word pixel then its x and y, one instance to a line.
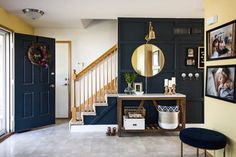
pixel 165 82
pixel 170 83
pixel 173 80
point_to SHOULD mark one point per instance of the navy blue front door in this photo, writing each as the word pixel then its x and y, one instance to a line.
pixel 34 85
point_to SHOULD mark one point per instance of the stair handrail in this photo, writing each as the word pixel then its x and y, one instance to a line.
pixel 88 69
pixel 97 61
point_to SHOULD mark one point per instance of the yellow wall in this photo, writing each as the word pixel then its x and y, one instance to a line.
pixel 221 115
pixel 14 23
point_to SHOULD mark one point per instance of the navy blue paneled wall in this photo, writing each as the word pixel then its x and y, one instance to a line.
pixel 174 37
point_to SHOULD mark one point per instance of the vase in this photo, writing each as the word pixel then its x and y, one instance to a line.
pixel 129 89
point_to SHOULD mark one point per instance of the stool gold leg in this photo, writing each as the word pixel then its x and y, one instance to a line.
pixel 181 149
pixel 197 152
pixel 205 152
pixel 224 153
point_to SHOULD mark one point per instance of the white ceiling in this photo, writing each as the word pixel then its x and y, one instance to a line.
pixel 78 13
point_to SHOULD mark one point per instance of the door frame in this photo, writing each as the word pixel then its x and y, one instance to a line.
pixel 69 73
pixel 10 84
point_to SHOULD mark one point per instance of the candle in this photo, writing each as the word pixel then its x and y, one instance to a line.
pixel 170 83
pixel 173 80
pixel 165 82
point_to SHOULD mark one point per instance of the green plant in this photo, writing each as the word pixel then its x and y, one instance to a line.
pixel 130 77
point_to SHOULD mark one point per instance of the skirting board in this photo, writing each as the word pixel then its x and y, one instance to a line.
pixel 103 128
pixel 90 128
pixel 195 125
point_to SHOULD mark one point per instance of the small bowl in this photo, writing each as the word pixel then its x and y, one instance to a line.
pixel 139 93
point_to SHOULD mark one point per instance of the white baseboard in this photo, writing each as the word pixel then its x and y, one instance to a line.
pixel 189 125
pixel 90 128
pixel 103 128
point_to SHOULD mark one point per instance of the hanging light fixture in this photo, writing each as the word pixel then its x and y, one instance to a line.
pixel 151 34
pixel 33 13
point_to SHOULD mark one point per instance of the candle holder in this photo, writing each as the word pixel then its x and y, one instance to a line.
pixel 166 90
pixel 170 91
pixel 174 89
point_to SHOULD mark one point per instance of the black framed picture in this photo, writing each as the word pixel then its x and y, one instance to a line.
pixel 190 52
pixel 190 61
pixel 201 57
pixel 220 82
pixel 221 42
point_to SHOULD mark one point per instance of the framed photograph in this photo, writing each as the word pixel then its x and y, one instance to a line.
pixel 201 57
pixel 190 52
pixel 138 86
pixel 190 61
pixel 221 42
pixel 220 82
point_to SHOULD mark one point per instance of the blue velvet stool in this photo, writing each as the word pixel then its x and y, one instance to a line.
pixel 202 138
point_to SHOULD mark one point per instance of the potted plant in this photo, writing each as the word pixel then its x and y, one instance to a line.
pixel 129 78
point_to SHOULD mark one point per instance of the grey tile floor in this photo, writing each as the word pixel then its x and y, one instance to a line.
pixel 57 141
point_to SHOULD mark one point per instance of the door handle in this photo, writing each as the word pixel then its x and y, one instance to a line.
pixel 52 86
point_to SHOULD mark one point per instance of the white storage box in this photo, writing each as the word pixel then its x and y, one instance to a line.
pixel 168 117
pixel 133 123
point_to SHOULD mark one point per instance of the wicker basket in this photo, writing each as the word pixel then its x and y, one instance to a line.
pixel 168 117
pixel 134 112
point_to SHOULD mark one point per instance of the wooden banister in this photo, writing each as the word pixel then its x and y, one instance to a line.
pixel 98 60
pixel 91 84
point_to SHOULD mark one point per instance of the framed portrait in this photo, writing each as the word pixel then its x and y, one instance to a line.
pixel 220 82
pixel 221 42
pixel 190 61
pixel 138 86
pixel 201 57
pixel 190 52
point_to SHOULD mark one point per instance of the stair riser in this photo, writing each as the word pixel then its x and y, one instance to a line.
pixel 104 114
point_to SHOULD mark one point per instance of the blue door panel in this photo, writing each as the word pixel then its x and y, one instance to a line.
pixel 34 99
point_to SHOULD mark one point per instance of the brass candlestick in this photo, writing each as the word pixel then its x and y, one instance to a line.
pixel 170 91
pixel 174 89
pixel 166 90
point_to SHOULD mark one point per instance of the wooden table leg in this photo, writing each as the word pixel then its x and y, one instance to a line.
pixel 183 110
pixel 141 104
pixel 180 113
pixel 155 104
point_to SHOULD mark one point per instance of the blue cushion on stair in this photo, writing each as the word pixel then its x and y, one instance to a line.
pixel 203 138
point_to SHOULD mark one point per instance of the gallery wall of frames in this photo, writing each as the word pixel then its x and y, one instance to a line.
pixel 220 79
pixel 181 41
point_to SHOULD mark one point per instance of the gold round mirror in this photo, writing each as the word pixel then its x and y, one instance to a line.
pixel 148 60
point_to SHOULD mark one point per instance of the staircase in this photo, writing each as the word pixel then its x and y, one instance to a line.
pixel 91 88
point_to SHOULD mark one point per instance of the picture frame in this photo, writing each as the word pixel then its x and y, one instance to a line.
pixel 221 42
pixel 201 57
pixel 220 82
pixel 138 86
pixel 190 53
pixel 190 61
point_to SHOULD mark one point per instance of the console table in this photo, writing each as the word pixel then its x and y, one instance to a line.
pixel 180 101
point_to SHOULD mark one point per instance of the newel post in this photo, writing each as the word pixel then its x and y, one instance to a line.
pixel 74 97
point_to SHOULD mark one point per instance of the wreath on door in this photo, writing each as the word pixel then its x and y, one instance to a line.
pixel 38 55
